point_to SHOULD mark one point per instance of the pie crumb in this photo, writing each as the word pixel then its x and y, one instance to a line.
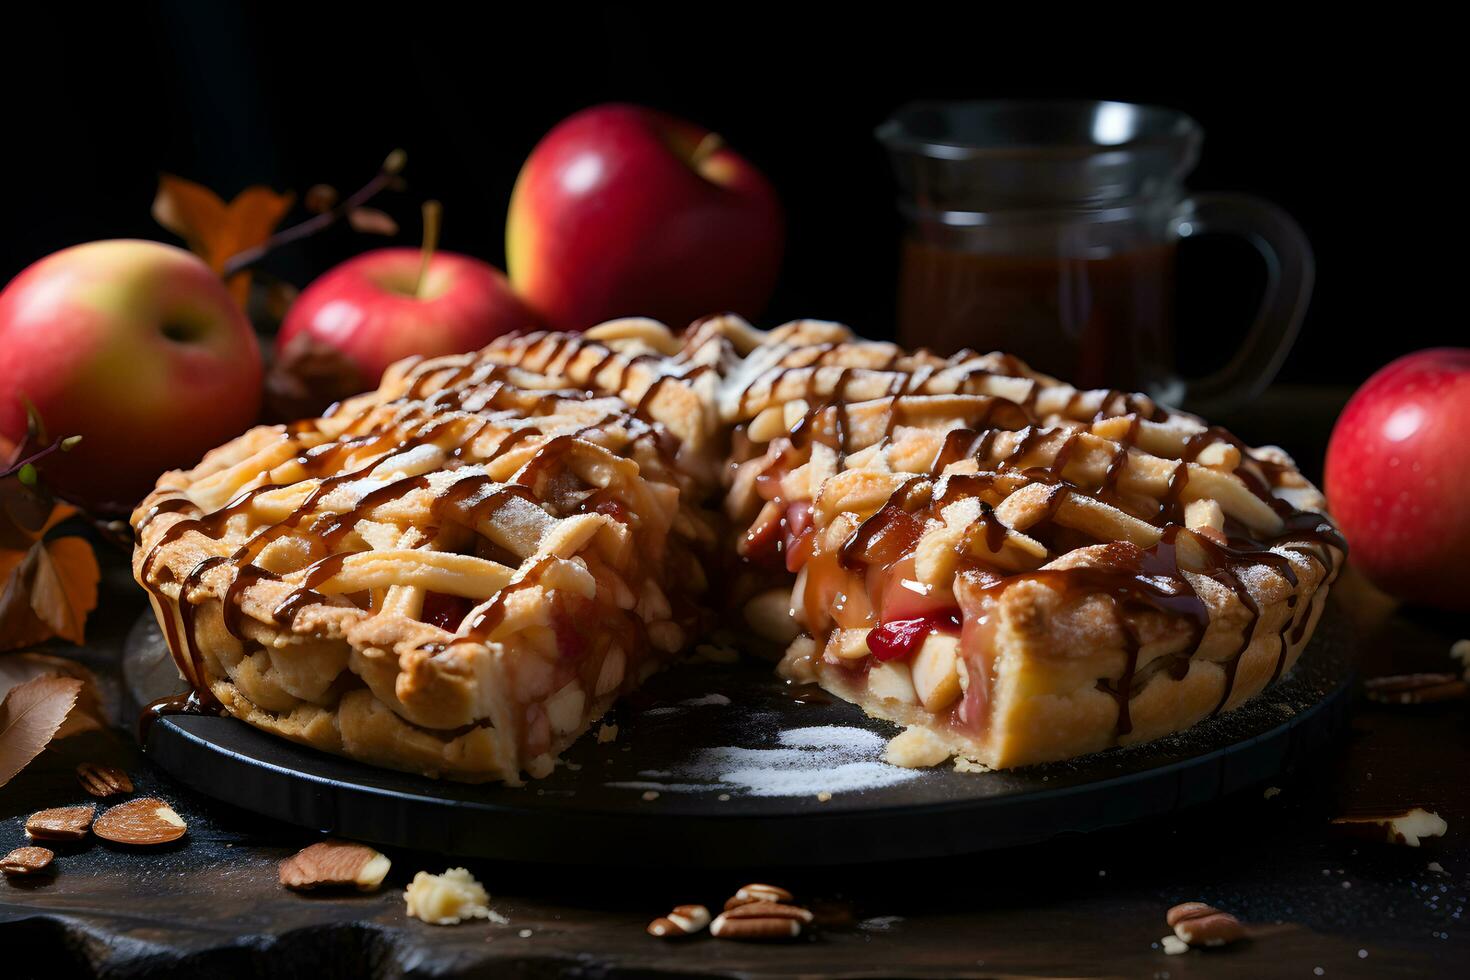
pixel 915 748
pixel 447 899
pixel 1460 650
pixel 961 764
pixel 823 796
pixel 607 733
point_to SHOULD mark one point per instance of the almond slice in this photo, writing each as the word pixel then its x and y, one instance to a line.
pixel 144 822
pixel 757 892
pixel 103 781
pixel 334 862
pixel 62 823
pixel 1407 825
pixel 762 909
pixel 26 860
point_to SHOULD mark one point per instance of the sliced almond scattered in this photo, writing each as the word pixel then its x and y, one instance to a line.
pixel 757 892
pixel 144 822
pixel 103 781
pixel 61 823
pixel 1407 825
pixel 754 930
pixel 1416 688
pixel 683 920
pixel 334 863
pixel 1199 924
pixel 763 910
pixel 26 860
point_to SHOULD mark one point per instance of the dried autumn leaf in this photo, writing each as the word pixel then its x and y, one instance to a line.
pixel 320 198
pixel 214 230
pixel 65 589
pixel 86 715
pixel 26 515
pixel 47 591
pixel 29 718
pixel 371 221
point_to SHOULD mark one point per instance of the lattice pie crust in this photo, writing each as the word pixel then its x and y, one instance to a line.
pixel 458 573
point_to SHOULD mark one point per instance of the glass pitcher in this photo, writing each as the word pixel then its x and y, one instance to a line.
pixel 1049 230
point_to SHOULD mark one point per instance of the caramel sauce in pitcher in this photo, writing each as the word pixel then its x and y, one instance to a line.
pixel 1095 321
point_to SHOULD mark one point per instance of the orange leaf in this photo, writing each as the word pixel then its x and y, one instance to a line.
pixel 46 590
pixel 29 717
pixel 26 516
pixel 18 623
pixel 65 588
pixel 217 231
pixel 191 211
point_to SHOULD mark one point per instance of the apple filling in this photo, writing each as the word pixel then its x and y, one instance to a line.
pixel 890 637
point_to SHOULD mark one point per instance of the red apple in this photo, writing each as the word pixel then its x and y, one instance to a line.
pixel 1398 477
pixel 372 310
pixel 133 345
pixel 622 211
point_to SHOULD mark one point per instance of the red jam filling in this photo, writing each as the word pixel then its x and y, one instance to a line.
pixel 445 611
pixel 897 639
pixel 784 542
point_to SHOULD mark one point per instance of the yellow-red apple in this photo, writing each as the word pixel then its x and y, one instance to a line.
pixel 137 347
pixel 622 210
pixel 1398 475
pixel 356 319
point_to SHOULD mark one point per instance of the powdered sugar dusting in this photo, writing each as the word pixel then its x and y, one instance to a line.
pixel 820 759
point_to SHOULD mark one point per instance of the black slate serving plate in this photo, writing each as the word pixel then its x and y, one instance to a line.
pixel 694 779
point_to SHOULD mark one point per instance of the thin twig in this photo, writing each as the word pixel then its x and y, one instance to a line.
pixel 42 453
pixel 243 260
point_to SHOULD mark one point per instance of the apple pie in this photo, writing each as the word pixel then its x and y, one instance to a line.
pixel 458 573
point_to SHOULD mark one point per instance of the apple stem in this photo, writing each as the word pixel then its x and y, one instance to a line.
pixel 433 212
pixel 386 177
pixel 711 143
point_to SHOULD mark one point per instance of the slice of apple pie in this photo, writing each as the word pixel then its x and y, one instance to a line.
pixel 1016 570
pixel 1019 570
pixel 455 574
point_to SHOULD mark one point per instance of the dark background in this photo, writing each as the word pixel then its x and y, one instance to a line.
pixel 1348 128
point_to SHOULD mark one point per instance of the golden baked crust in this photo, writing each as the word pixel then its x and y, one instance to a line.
pixel 1025 571
pixel 1028 571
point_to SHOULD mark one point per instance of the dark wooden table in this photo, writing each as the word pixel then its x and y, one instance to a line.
pixel 210 906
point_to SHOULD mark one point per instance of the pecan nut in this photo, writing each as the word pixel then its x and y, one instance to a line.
pixel 26 860
pixel 683 920
pixel 1204 925
pixel 61 823
pixel 103 781
pixel 757 892
pixel 765 929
